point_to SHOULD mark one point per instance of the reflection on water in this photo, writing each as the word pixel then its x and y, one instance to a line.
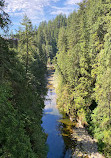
pixel 65 127
pixel 59 133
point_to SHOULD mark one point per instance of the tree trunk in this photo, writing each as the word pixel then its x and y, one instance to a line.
pixel 27 58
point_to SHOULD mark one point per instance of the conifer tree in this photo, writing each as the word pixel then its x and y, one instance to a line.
pixel 25 37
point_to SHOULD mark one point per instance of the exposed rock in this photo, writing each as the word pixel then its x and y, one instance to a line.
pixel 86 146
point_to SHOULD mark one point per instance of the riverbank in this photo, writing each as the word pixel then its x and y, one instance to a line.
pixel 86 146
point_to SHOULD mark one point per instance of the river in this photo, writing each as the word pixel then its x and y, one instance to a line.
pixel 65 138
pixel 59 137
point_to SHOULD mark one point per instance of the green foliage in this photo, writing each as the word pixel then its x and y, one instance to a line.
pixel 4 17
pixel 83 69
pixel 22 98
pixel 47 36
pixel 80 46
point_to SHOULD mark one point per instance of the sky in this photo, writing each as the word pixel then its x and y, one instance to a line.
pixel 38 10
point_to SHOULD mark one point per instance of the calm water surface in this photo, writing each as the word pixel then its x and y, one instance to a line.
pixel 58 140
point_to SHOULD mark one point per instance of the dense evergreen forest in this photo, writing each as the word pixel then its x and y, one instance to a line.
pixel 23 65
pixel 83 69
pixel 80 48
pixel 22 90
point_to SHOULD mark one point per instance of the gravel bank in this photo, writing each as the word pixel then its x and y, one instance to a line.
pixel 86 146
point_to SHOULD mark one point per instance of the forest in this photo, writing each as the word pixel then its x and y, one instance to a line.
pixel 22 90
pixel 83 69
pixel 79 46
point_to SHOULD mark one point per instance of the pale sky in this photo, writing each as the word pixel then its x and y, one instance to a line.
pixel 38 10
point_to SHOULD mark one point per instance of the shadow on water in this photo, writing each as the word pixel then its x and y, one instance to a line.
pixel 65 127
pixel 58 128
